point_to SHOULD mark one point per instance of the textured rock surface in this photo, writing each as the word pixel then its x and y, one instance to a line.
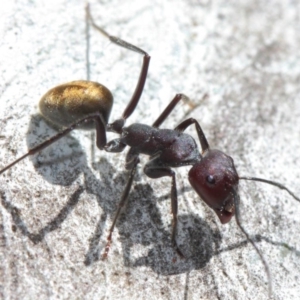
pixel 239 64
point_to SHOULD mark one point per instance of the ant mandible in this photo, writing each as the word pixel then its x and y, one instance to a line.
pixel 213 175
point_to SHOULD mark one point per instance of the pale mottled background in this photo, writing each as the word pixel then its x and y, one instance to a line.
pixel 239 62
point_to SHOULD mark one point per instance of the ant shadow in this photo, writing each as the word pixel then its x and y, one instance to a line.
pixel 143 226
pixel 140 225
pixel 66 157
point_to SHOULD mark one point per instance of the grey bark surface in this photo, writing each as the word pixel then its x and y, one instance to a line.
pixel 239 64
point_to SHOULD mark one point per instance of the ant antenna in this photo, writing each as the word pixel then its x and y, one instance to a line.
pixel 238 220
pixel 277 184
pixel 236 199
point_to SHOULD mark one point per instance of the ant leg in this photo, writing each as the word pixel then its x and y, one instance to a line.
pixel 169 109
pixel 121 204
pixel 130 158
pixel 118 124
pixel 100 130
pixel 87 49
pixel 183 126
pixel 153 170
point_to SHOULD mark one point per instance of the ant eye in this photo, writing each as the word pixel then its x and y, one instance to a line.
pixel 210 179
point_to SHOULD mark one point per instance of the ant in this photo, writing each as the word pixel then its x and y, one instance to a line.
pixel 85 104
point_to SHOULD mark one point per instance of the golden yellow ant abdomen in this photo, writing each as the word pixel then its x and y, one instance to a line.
pixel 72 101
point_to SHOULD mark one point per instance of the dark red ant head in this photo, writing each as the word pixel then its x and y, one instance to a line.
pixel 215 180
